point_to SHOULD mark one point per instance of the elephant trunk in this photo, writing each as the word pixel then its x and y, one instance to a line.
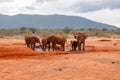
pixel 40 45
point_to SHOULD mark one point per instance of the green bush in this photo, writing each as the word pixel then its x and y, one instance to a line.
pixel 67 31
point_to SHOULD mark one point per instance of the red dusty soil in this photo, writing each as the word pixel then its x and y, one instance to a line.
pixel 100 61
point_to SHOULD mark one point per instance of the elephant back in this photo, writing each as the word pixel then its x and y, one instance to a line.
pixel 61 36
pixel 56 38
pixel 28 38
pixel 36 39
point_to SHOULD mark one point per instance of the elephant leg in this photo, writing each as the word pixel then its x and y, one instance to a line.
pixel 33 46
pixel 53 46
pixel 28 44
pixel 41 47
pixel 83 46
pixel 63 47
pixel 44 46
pixel 79 47
pixel 75 47
pixel 49 46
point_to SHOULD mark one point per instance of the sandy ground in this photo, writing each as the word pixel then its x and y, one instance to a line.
pixel 100 61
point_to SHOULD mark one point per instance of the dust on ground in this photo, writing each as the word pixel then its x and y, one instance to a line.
pixel 100 61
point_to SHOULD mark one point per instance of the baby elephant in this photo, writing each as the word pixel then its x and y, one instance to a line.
pixel 74 45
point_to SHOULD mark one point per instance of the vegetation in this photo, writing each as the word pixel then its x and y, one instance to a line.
pixel 67 31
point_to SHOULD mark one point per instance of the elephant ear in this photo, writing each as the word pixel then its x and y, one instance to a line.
pixel 35 39
pixel 53 38
pixel 50 38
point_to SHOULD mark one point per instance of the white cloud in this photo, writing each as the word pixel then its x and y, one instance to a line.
pixel 105 16
pixel 105 11
pixel 12 7
pixel 93 5
pixel 6 0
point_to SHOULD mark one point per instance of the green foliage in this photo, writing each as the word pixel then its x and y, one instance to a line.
pixel 23 28
pixel 67 31
pixel 33 29
pixel 117 32
pixel 104 29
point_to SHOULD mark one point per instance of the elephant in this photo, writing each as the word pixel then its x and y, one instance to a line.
pixel 57 39
pixel 31 41
pixel 45 42
pixel 81 37
pixel 74 45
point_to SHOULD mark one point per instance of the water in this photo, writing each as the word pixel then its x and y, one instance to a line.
pixel 39 49
pixel 67 50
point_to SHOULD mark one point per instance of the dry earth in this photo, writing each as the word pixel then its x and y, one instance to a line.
pixel 100 61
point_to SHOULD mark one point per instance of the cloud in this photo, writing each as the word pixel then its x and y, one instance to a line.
pixel 58 5
pixel 45 0
pixel 12 7
pixel 30 8
pixel 98 10
pixel 49 6
pixel 94 5
pixel 6 0
pixel 106 16
pixel 112 4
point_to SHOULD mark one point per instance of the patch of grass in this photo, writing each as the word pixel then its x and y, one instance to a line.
pixel 46 32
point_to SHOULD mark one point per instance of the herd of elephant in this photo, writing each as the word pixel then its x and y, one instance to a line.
pixel 60 39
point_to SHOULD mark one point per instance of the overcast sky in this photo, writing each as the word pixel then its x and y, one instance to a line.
pixel 105 11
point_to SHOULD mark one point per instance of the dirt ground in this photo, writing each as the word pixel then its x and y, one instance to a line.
pixel 100 61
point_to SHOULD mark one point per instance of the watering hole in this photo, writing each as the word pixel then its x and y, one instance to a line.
pixel 39 49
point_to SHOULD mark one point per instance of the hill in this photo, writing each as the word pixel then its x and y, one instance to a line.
pixel 50 22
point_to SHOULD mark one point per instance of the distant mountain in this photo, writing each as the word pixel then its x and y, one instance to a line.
pixel 50 22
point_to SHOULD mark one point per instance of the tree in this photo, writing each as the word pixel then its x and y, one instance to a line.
pixel 104 29
pixel 22 28
pixel 33 30
pixel 66 30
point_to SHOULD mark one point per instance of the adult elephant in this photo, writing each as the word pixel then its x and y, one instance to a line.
pixel 81 37
pixel 57 39
pixel 31 41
